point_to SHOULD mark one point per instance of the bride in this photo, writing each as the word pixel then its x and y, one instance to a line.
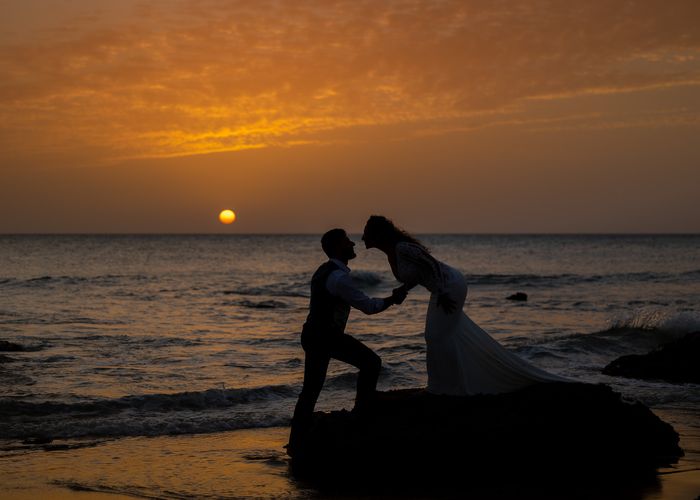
pixel 462 358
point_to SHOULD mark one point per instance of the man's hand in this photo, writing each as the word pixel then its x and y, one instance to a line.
pixel 398 295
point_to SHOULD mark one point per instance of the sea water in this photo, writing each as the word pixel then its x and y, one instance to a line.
pixel 152 335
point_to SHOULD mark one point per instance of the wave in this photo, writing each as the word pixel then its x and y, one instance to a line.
pixel 103 280
pixel 132 424
pixel 532 280
pixel 123 491
pixel 211 410
pixel 31 344
pixel 673 324
pixel 346 380
pixel 57 358
pixel 202 400
pixel 299 286
pixel 264 304
pixel 365 278
pixel 57 320
pixel 277 290
pixel 634 333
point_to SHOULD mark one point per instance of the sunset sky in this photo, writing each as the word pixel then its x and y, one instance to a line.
pixel 465 116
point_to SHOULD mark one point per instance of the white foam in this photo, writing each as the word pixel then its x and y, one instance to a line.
pixel 673 323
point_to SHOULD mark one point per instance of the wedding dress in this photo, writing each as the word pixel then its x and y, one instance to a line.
pixel 462 358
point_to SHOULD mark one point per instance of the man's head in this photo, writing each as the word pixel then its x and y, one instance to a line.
pixel 337 245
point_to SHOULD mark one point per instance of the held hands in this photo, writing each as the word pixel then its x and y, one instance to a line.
pixel 398 295
pixel 447 304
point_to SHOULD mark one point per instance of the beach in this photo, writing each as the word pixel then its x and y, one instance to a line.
pixel 242 464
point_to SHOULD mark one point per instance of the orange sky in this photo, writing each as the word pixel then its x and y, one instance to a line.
pixel 465 116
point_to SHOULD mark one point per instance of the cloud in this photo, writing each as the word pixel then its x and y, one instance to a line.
pixel 178 78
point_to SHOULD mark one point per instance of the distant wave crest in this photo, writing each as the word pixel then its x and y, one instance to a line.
pixel 263 304
pixel 277 290
pixel 104 280
pixel 554 280
pixel 365 278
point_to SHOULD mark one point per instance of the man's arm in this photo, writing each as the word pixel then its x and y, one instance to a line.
pixel 341 285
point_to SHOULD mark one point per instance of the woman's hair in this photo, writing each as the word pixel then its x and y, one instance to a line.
pixel 382 229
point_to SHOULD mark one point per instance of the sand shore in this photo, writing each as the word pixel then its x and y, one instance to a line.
pixel 239 464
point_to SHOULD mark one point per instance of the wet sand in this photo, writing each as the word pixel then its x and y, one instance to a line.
pixel 239 464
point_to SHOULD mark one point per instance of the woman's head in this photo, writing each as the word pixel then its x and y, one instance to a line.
pixel 381 232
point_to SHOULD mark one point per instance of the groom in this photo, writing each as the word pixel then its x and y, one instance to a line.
pixel 323 336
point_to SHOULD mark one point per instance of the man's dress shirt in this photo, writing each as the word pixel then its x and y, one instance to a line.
pixel 340 284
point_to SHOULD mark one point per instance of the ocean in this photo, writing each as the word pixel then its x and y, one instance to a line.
pixel 159 335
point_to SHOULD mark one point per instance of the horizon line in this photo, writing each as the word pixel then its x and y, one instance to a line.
pixel 583 233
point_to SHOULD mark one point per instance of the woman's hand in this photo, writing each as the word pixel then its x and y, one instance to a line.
pixel 447 304
pixel 398 295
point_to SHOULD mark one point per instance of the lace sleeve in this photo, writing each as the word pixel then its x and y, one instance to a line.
pixel 428 268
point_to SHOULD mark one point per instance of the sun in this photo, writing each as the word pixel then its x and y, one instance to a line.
pixel 227 216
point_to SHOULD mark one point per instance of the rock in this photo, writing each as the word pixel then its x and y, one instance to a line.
pixel 520 296
pixel 6 359
pixel 411 439
pixel 6 346
pixel 38 440
pixel 677 361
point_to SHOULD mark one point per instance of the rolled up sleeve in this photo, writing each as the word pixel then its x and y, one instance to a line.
pixel 340 284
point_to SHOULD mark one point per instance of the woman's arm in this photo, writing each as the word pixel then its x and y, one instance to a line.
pixel 429 269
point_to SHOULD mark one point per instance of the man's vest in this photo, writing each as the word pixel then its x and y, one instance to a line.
pixel 328 314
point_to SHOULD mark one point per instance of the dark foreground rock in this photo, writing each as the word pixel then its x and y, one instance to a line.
pixel 6 346
pixel 677 362
pixel 410 439
pixel 520 296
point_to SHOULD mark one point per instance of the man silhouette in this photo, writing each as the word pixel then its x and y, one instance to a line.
pixel 323 336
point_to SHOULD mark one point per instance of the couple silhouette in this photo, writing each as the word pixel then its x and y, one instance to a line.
pixel 462 359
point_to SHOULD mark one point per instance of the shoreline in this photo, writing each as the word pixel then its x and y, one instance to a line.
pixel 246 463
pixel 249 463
